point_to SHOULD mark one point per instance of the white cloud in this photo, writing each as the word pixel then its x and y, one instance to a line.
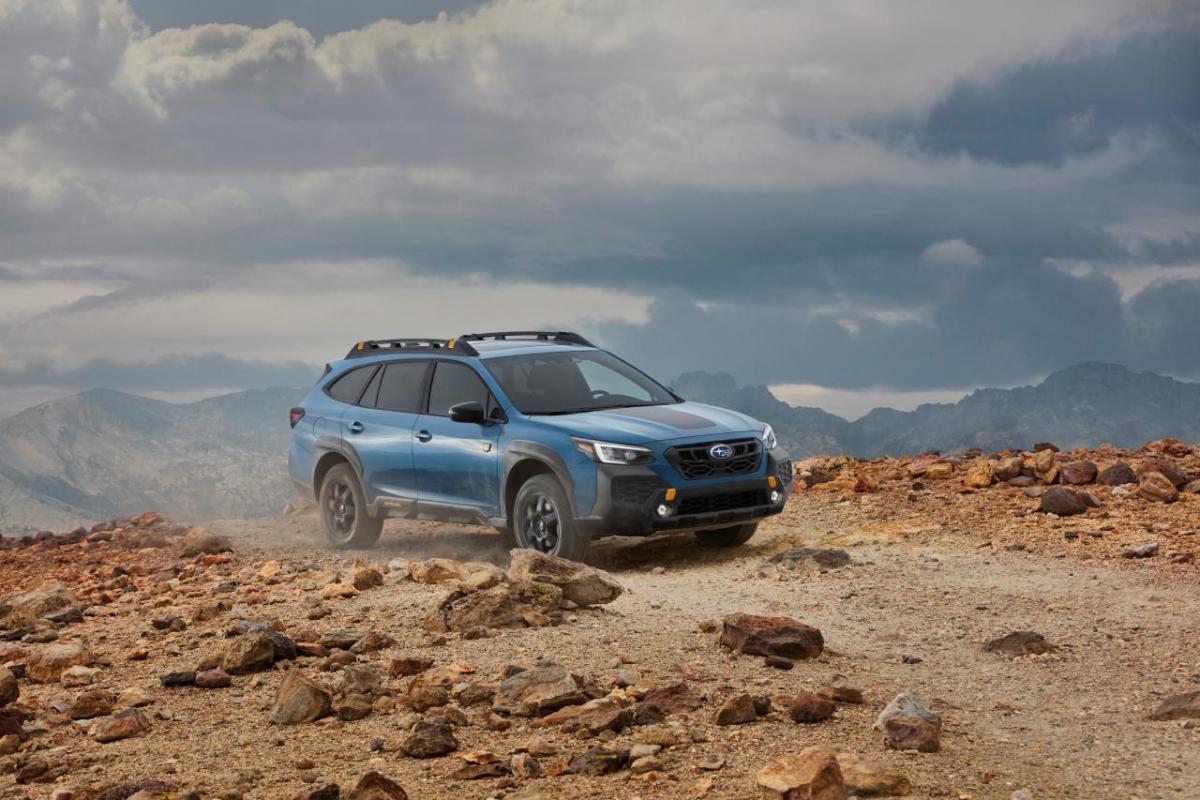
pixel 952 252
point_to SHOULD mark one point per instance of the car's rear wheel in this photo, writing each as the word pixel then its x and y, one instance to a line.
pixel 344 511
pixel 727 537
pixel 542 520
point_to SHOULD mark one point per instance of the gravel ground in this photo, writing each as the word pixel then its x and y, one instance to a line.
pixel 911 612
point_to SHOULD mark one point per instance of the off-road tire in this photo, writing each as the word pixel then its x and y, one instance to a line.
pixel 343 508
pixel 542 520
pixel 727 537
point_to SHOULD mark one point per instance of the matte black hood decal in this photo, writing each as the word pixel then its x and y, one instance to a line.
pixel 664 415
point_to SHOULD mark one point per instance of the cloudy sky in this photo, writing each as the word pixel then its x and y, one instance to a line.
pixel 857 202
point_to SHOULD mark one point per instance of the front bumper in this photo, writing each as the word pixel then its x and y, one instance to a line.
pixel 627 498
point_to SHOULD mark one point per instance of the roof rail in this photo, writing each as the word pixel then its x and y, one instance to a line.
pixel 565 337
pixel 372 347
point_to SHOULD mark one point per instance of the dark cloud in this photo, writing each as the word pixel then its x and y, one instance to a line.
pixel 946 202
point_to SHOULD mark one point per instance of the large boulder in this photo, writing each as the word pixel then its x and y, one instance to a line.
pixel 538 691
pixel 980 475
pixel 429 739
pixel 44 599
pixel 866 777
pixel 1118 474
pixel 250 652
pixel 49 665
pixel 129 722
pixel 509 605
pixel 1009 468
pixel 300 699
pixel 812 775
pixel 1167 467
pixel 1078 473
pixel 771 636
pixel 1062 501
pixel 202 541
pixel 1156 486
pixel 907 724
pixel 581 584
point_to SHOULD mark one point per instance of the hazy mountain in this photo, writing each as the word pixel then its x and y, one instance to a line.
pixel 1081 406
pixel 104 453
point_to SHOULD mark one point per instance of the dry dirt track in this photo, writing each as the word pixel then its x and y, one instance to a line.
pixel 1066 725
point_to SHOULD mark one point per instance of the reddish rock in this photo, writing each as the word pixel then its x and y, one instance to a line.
pixel 129 722
pixel 375 786
pixel 429 739
pixel 581 584
pixel 1118 474
pixel 806 707
pixel 1156 486
pixel 1166 467
pixel 1019 643
pixel 1078 473
pixel 912 733
pixel 771 636
pixel 737 710
pixel 1062 501
pixel 213 679
pixel 678 698
pixel 299 699
pixel 812 775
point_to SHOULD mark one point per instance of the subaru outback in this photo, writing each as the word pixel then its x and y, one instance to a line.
pixel 539 434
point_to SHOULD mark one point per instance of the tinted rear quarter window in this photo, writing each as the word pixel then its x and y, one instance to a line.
pixel 400 388
pixel 455 383
pixel 348 387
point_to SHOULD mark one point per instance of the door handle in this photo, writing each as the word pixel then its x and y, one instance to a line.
pixel 424 436
pixel 356 427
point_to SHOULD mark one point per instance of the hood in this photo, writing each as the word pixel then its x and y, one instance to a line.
pixel 653 423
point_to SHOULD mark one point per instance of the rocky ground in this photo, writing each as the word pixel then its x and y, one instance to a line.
pixel 916 627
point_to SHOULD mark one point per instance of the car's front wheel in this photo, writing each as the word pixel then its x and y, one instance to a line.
pixel 727 537
pixel 344 511
pixel 542 520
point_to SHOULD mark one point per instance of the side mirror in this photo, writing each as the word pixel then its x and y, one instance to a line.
pixel 468 412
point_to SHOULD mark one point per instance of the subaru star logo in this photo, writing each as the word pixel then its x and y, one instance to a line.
pixel 720 452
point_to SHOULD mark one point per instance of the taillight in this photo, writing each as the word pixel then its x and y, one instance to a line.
pixel 297 415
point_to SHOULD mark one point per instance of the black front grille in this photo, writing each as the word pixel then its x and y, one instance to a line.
pixel 729 501
pixel 695 462
pixel 632 490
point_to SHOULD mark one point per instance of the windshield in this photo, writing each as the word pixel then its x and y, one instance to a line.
pixel 567 383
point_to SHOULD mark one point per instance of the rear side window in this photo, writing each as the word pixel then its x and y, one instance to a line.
pixel 455 383
pixel 400 388
pixel 347 388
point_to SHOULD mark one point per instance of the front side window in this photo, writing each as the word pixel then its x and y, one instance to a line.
pixel 567 383
pixel 452 384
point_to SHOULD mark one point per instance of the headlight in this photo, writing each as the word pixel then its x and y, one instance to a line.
pixel 768 438
pixel 608 453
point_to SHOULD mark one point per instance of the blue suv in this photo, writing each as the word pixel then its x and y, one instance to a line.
pixel 539 434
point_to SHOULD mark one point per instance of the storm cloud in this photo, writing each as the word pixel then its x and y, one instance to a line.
pixel 911 197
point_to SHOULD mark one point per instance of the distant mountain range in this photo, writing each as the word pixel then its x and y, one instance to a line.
pixel 1081 406
pixel 104 453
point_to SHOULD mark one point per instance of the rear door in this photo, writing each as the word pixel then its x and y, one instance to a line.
pixel 456 462
pixel 380 429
